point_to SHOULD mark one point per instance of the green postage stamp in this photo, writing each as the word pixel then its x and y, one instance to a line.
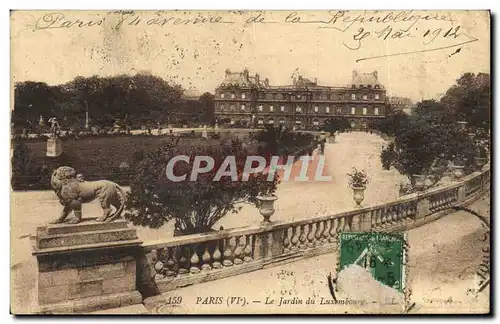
pixel 382 254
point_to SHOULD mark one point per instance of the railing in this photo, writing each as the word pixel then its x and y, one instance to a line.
pixel 190 259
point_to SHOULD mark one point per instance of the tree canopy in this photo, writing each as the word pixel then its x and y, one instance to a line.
pixel 195 206
pixel 140 98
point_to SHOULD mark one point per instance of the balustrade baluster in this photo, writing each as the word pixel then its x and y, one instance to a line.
pixel 326 230
pixel 302 237
pixel 333 230
pixel 310 235
pixel 217 255
pixel 183 261
pixel 340 228
pixel 206 260
pixel 286 241
pixel 295 238
pixel 228 254
pixel 348 223
pixel 170 264
pixel 395 214
pixel 373 218
pixel 238 251
pixel 247 251
pixel 158 264
pixel 382 217
pixel 319 233
pixel 194 262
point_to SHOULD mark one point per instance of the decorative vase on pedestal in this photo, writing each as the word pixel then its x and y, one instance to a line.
pixel 358 193
pixel 480 162
pixel 458 171
pixel 266 207
pixel 419 182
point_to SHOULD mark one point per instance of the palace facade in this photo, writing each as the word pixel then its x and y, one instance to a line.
pixel 244 100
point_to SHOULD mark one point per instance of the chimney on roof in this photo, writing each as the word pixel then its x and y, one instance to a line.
pixel 257 78
pixel 228 72
pixel 245 74
pixel 375 74
pixel 315 80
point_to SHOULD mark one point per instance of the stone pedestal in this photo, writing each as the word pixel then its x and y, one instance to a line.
pixel 86 267
pixel 54 147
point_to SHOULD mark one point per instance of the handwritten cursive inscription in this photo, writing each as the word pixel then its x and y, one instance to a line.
pixel 360 27
pixel 433 31
pixel 58 20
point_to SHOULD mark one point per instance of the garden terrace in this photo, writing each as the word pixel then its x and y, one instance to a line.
pixel 190 259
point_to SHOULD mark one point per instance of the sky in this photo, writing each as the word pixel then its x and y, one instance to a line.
pixel 54 47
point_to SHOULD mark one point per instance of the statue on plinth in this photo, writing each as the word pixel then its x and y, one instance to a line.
pixel 54 127
pixel 73 191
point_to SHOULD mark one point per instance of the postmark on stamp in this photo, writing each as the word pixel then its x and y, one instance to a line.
pixel 372 268
pixel 382 254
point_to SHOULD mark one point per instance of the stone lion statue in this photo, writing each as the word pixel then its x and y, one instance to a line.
pixel 72 191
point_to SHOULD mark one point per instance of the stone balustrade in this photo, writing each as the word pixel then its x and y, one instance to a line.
pixel 180 261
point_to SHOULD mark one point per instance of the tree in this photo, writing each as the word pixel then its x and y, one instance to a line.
pixel 334 124
pixel 207 105
pixel 419 144
pixel 393 122
pixel 431 110
pixel 24 168
pixel 196 206
pixel 281 141
pixel 470 100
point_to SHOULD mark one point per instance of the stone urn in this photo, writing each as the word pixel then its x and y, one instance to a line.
pixel 458 171
pixel 266 207
pixel 480 162
pixel 358 193
pixel 419 182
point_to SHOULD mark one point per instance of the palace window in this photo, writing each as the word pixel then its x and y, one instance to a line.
pixel 375 111
pixel 232 96
pixel 365 97
pixel 339 111
pixel 271 121
pixel 221 107
pixel 271 108
pixel 327 109
pixel 316 109
pixel 353 96
pixel 298 109
pixel 364 111
pixel 315 122
pixel 353 111
pixel 377 96
pixel 282 108
pixel 281 121
pixel 260 108
pixel 222 95
pixel 232 107
pixel 243 96
pixel 260 121
pixel 242 107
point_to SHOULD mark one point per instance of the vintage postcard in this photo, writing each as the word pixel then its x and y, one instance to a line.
pixel 250 162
